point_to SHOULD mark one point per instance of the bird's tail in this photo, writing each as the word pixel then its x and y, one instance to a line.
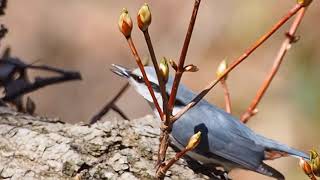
pixel 275 149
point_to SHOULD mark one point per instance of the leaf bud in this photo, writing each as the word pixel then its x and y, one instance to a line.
pixel 191 68
pixel 125 23
pixel 164 69
pixel 305 166
pixel 221 68
pixel 144 17
pixel 194 141
pixel 305 3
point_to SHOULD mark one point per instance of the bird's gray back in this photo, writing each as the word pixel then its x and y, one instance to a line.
pixel 222 134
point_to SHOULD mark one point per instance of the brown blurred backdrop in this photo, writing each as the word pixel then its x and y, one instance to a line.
pixel 83 35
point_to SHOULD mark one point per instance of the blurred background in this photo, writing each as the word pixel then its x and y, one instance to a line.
pixel 83 35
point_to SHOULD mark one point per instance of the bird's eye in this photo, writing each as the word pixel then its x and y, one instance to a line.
pixel 140 79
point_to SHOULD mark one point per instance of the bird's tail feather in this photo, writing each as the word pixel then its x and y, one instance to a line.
pixel 278 149
pixel 269 171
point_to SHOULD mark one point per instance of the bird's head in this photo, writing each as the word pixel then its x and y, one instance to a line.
pixel 135 79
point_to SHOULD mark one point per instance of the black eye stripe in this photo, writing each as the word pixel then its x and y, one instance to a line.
pixel 155 87
pixel 139 79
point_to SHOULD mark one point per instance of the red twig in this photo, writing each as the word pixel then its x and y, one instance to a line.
pixel 277 62
pixel 235 63
pixel 160 78
pixel 145 78
pixel 183 55
pixel 227 98
pixel 167 125
pixel 165 167
pixel 193 143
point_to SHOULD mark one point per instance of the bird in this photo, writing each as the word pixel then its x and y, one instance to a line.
pixel 225 140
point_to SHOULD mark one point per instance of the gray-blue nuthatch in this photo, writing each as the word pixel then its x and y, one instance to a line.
pixel 225 141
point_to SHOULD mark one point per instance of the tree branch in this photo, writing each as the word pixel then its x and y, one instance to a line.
pixel 167 125
pixel 235 63
pixel 183 55
pixel 145 78
pixel 40 82
pixel 227 98
pixel 111 105
pixel 159 77
pixel 286 45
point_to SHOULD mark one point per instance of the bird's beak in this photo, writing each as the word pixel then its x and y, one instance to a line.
pixel 120 70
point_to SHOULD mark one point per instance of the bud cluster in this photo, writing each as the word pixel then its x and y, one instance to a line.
pixel 143 19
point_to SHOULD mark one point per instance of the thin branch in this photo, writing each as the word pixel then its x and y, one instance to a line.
pixel 193 142
pixel 235 63
pixel 18 63
pixel 277 62
pixel 183 55
pixel 119 111
pixel 164 143
pixel 160 78
pixel 145 78
pixel 165 167
pixel 111 105
pixel 227 98
pixel 167 125
pixel 3 29
pixel 3 6
pixel 46 68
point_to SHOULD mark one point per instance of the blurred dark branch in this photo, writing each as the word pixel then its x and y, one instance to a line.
pixel 286 45
pixel 111 105
pixel 40 82
pixel 15 81
pixel 119 111
pixel 21 65
pixel 3 29
pixel 3 6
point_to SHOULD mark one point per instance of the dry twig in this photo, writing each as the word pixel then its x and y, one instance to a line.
pixel 111 105
pixel 167 125
pixel 286 45
pixel 235 63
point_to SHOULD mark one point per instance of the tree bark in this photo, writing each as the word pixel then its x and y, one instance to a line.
pixel 33 147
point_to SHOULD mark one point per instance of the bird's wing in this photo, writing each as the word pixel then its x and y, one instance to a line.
pixel 218 139
pixel 223 136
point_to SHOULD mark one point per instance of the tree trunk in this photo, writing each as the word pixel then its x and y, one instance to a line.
pixel 33 147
